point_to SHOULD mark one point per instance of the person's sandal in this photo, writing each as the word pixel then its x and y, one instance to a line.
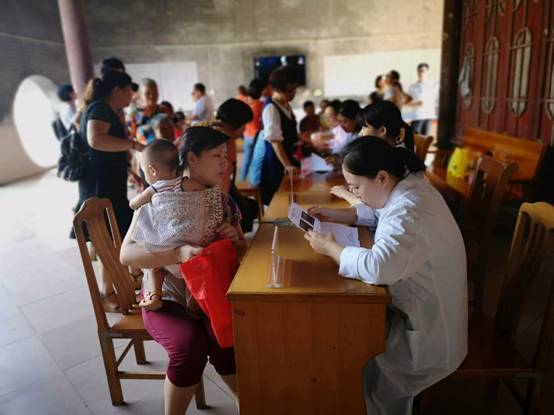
pixel 152 301
pixel 110 303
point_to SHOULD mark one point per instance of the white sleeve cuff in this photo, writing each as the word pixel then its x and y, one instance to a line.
pixel 365 215
pixel 348 266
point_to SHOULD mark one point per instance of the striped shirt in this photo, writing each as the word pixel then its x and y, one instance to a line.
pixel 173 185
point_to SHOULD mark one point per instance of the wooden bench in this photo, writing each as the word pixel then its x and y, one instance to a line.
pixel 528 155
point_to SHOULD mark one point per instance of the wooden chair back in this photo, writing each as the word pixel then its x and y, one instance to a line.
pixel 99 218
pixel 487 190
pixel 532 247
pixel 422 145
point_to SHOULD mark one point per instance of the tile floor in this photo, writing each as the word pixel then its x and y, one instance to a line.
pixel 50 359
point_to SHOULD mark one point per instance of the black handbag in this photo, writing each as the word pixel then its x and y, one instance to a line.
pixel 74 156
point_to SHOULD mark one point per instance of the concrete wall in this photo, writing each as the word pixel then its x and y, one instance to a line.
pixel 31 43
pixel 223 36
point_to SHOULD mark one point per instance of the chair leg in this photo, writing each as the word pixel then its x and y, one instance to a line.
pixel 110 365
pixel 492 395
pixel 258 198
pixel 531 397
pixel 140 355
pixel 200 396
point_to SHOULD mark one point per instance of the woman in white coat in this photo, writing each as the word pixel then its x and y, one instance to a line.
pixel 418 252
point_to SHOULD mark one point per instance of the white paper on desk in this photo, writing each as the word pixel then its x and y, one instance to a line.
pixel 314 163
pixel 344 235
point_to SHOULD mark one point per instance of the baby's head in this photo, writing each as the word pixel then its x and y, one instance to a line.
pixel 160 161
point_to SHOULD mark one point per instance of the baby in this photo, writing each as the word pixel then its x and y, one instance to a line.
pixel 175 211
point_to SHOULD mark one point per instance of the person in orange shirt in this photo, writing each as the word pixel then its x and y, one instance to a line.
pixel 253 128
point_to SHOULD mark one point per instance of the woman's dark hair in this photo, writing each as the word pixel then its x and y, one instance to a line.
pixel 255 88
pixel 198 140
pixel 394 74
pixel 200 87
pixel 366 156
pixel 178 116
pixel 167 104
pixel 382 114
pixel 386 114
pixel 282 77
pixel 349 109
pixel 335 104
pixel 102 87
pixel 235 113
pixel 111 64
pixel 378 80
pixel 308 104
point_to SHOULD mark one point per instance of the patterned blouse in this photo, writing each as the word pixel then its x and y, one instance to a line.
pixel 174 219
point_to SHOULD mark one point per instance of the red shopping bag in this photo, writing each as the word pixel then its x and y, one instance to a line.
pixel 208 277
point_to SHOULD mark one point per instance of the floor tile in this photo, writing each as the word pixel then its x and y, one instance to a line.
pixel 52 396
pixel 23 363
pixel 14 325
pixel 73 343
pixel 59 310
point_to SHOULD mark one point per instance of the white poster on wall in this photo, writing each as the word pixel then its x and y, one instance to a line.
pixel 175 80
pixel 354 75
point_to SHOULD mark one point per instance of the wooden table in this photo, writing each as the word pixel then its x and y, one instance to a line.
pixel 300 349
pixel 308 191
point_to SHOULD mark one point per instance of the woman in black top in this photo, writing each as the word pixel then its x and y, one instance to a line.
pixel 105 136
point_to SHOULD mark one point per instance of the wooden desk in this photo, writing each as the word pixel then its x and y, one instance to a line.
pixel 315 182
pixel 279 206
pixel 300 349
pixel 309 191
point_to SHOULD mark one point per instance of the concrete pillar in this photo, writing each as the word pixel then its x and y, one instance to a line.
pixel 77 47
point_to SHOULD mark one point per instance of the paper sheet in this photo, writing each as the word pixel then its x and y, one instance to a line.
pixel 344 235
pixel 314 163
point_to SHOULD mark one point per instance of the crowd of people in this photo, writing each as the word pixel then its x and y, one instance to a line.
pixel 184 168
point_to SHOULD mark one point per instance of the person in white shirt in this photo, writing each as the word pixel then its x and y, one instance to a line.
pixel 203 110
pixel 418 252
pixel 424 95
pixel 280 131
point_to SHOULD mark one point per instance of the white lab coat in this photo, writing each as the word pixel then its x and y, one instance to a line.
pixel 419 253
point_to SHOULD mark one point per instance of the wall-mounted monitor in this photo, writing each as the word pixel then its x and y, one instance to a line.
pixel 263 65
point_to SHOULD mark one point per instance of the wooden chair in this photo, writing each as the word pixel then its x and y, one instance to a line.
pixel 492 354
pixel 250 191
pixel 98 216
pixel 422 145
pixel 487 190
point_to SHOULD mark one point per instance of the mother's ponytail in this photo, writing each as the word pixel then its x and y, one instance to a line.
pixel 366 156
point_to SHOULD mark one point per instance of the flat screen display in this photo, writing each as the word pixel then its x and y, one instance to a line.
pixel 263 65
